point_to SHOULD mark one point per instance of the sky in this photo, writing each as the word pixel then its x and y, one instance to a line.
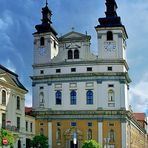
pixel 18 18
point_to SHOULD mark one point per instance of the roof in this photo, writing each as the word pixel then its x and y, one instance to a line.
pixel 140 116
pixel 28 111
pixel 13 76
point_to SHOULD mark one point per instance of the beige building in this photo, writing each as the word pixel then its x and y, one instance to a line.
pixel 12 101
pixel 29 125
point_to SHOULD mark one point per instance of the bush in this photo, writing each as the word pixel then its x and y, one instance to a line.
pixel 91 144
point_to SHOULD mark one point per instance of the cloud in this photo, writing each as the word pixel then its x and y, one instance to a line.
pixel 9 64
pixel 138 95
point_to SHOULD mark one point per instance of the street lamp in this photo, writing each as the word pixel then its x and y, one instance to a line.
pixel 74 139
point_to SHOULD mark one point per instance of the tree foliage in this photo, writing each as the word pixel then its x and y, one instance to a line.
pixel 39 139
pixel 91 144
pixel 8 135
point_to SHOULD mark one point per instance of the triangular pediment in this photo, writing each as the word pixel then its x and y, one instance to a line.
pixel 7 79
pixel 73 34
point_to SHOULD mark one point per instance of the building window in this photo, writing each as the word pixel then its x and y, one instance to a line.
pixel 3 120
pixel 89 123
pixel 112 135
pixel 109 68
pixel 89 134
pixel 73 69
pixel 89 68
pixel 89 97
pixel 41 71
pixel 109 36
pixel 58 134
pixel 3 97
pixel 58 96
pixel 58 70
pixel 70 54
pixel 30 127
pixel 26 126
pixel 58 124
pixel 18 123
pixel 73 97
pixel 54 44
pixel 76 54
pixel 18 102
pixel 73 124
pixel 110 85
pixel 42 41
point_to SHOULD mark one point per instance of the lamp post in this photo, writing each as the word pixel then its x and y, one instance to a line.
pixel 74 139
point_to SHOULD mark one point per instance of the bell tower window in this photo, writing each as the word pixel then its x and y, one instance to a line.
pixel 109 36
pixel 70 54
pixel 42 41
pixel 76 54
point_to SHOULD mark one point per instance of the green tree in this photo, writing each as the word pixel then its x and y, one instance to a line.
pixel 40 140
pixel 8 135
pixel 91 144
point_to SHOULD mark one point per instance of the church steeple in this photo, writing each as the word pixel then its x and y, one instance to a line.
pixel 111 19
pixel 46 21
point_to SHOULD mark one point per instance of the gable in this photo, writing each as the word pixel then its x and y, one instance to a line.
pixel 74 35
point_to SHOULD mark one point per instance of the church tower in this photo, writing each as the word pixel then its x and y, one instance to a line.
pixel 111 34
pixel 45 39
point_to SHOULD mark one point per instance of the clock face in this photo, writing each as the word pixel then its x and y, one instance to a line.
pixel 42 51
pixel 110 46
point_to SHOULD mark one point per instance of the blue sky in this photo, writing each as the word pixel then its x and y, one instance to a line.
pixel 18 18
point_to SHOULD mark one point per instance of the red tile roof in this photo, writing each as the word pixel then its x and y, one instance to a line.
pixel 140 116
pixel 28 110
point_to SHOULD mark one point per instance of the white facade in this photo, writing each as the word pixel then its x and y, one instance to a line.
pixel 12 101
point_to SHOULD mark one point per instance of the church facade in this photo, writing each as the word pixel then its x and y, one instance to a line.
pixel 80 96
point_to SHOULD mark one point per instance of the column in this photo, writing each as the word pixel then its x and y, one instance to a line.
pixel 100 133
pixel 50 134
pixel 124 134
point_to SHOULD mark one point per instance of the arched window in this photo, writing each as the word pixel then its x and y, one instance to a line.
pixel 76 54
pixel 89 97
pixel 89 134
pixel 58 96
pixel 70 54
pixel 42 41
pixel 3 97
pixel 112 135
pixel 73 97
pixel 111 96
pixel 18 102
pixel 109 36
pixel 58 134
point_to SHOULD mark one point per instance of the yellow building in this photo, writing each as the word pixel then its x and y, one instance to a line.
pixel 79 96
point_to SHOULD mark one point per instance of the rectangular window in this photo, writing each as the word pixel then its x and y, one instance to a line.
pixel 3 120
pixel 89 68
pixel 41 71
pixel 89 123
pixel 26 126
pixel 30 127
pixel 73 124
pixel 109 68
pixel 18 123
pixel 73 69
pixel 54 44
pixel 58 70
pixel 41 87
pixel 110 85
pixel 18 102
